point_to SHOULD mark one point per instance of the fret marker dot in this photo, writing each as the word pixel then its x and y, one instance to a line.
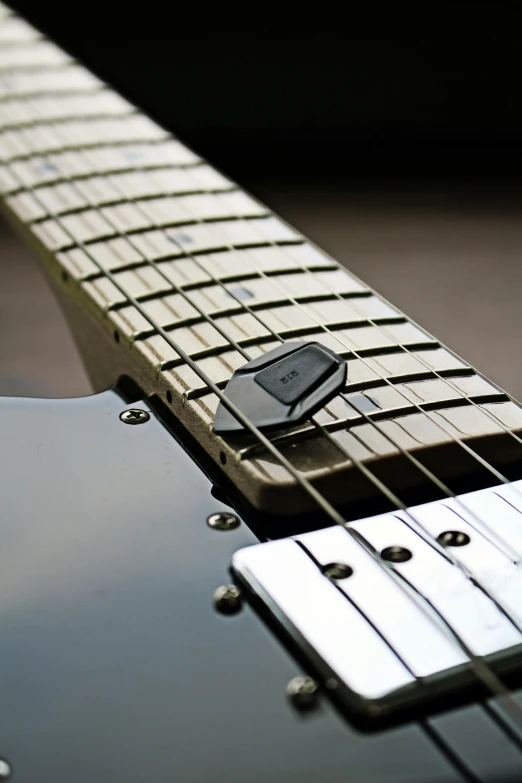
pixel 45 168
pixel 180 239
pixel 241 293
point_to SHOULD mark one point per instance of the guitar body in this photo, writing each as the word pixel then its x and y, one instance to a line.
pixel 283 540
pixel 114 664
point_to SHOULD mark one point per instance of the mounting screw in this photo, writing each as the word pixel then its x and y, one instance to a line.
pixel 223 521
pixel 396 554
pixel 228 599
pixel 303 693
pixel 453 538
pixel 134 416
pixel 5 770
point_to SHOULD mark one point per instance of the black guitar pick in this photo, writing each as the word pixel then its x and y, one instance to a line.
pixel 283 387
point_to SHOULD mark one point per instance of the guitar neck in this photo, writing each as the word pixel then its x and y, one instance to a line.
pixel 159 257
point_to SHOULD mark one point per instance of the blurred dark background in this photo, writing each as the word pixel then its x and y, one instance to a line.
pixel 391 136
pixel 365 92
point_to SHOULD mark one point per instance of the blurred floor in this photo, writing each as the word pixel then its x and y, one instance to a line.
pixel 450 260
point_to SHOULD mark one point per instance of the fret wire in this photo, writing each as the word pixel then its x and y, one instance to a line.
pixel 181 224
pixel 450 754
pixel 481 669
pixel 488 413
pixel 401 346
pixel 73 92
pixel 339 424
pixel 404 349
pixel 94 145
pixel 42 120
pixel 384 490
pixel 64 179
pixel 394 499
pixel 325 328
pixel 245 354
pixel 369 320
pixel 178 290
pixel 124 199
pixel 319 499
pixel 429 474
pixel 380 485
pixel 488 678
pixel 426 536
pixel 216 391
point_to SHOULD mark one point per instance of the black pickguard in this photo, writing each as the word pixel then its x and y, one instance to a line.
pixel 114 666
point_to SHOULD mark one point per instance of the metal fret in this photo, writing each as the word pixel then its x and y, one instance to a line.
pixel 19 113
pixel 200 348
pixel 5 13
pixel 446 430
pixel 101 190
pixel 136 283
pixel 70 79
pixel 32 55
pixel 14 30
pixel 284 463
pixel 370 327
pixel 39 139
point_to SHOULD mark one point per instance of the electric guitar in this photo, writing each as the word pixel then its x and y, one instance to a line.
pixel 282 541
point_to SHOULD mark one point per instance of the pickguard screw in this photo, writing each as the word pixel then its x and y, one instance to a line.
pixel 453 538
pixel 134 416
pixel 303 693
pixel 228 599
pixel 223 521
pixel 396 554
pixel 5 770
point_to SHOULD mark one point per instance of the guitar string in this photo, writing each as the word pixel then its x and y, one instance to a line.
pixel 256 314
pixel 483 670
pixel 233 343
pixel 333 333
pixel 429 728
pixel 228 337
pixel 447 749
pixel 450 753
pixel 467 776
pixel 402 348
pixel 126 296
pixel 427 536
pixel 276 335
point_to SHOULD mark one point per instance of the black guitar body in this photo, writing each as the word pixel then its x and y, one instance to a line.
pixel 115 666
